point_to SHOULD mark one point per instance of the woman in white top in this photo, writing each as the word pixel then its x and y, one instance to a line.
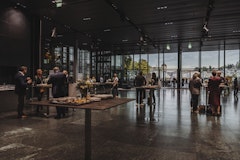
pixel 115 86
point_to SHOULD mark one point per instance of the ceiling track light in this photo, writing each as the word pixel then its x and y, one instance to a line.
pixel 107 30
pixel 205 28
pixel 54 32
pixel 58 3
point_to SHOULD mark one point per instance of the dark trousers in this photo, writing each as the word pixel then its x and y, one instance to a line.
pixel 194 101
pixel 20 104
pixel 140 94
pixel 60 111
pixel 152 94
pixel 39 97
pixel 115 92
pixel 235 91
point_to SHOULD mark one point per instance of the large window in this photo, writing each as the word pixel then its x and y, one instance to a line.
pixel 209 61
pixel 169 68
pixel 83 64
pixel 144 64
pixel 232 63
pixel 153 63
pixel 190 64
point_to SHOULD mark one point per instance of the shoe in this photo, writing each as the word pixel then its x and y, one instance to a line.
pixel 22 116
pixel 57 117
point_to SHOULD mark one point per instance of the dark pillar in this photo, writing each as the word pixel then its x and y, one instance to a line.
pixel 179 70
pixel 35 44
pixel 163 69
pixel 88 135
pixel 224 59
pixel 75 62
pixel 158 62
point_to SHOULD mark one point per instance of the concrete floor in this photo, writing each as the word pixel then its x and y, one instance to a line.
pixel 166 131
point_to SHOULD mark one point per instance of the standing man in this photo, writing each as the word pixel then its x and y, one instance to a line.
pixel 58 81
pixel 21 83
pixel 139 81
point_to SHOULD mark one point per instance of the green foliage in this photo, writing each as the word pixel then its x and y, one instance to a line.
pixel 127 62
pixel 142 65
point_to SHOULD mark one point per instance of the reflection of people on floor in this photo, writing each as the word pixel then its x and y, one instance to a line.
pixel 152 112
pixel 214 93
pixel 141 114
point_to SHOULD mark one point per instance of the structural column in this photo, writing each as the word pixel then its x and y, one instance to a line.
pixel 179 70
pixel 75 56
pixel 224 59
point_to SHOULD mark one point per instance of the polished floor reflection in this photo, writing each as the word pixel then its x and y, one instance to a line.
pixel 165 131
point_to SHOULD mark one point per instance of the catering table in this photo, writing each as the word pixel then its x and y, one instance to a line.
pixel 101 105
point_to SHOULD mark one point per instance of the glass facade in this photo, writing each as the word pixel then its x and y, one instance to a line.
pixel 165 65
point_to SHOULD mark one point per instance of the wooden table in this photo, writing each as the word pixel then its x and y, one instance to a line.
pixel 101 105
pixel 46 90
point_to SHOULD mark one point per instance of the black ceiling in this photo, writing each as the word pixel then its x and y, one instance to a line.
pixel 120 24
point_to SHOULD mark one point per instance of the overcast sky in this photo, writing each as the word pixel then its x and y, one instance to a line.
pixel 190 59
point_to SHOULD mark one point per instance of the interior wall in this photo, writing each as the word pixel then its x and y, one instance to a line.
pixel 15 41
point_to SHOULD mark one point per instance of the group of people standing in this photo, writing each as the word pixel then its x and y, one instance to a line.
pixel 215 86
pixel 58 79
pixel 139 82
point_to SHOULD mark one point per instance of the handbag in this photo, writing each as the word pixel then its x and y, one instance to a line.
pixel 201 109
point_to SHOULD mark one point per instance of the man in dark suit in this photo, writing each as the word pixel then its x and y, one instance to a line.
pixel 21 83
pixel 140 81
pixel 58 80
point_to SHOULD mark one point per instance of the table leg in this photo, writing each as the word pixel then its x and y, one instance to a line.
pixel 88 135
pixel 47 114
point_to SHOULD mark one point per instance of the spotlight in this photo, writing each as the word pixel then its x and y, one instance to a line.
pixel 205 28
pixel 53 32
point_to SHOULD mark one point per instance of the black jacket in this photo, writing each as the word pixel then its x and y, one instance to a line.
pixel 20 84
pixel 58 81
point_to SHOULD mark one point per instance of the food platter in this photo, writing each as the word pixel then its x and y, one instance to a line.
pixel 70 100
pixel 104 96
pixel 80 101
